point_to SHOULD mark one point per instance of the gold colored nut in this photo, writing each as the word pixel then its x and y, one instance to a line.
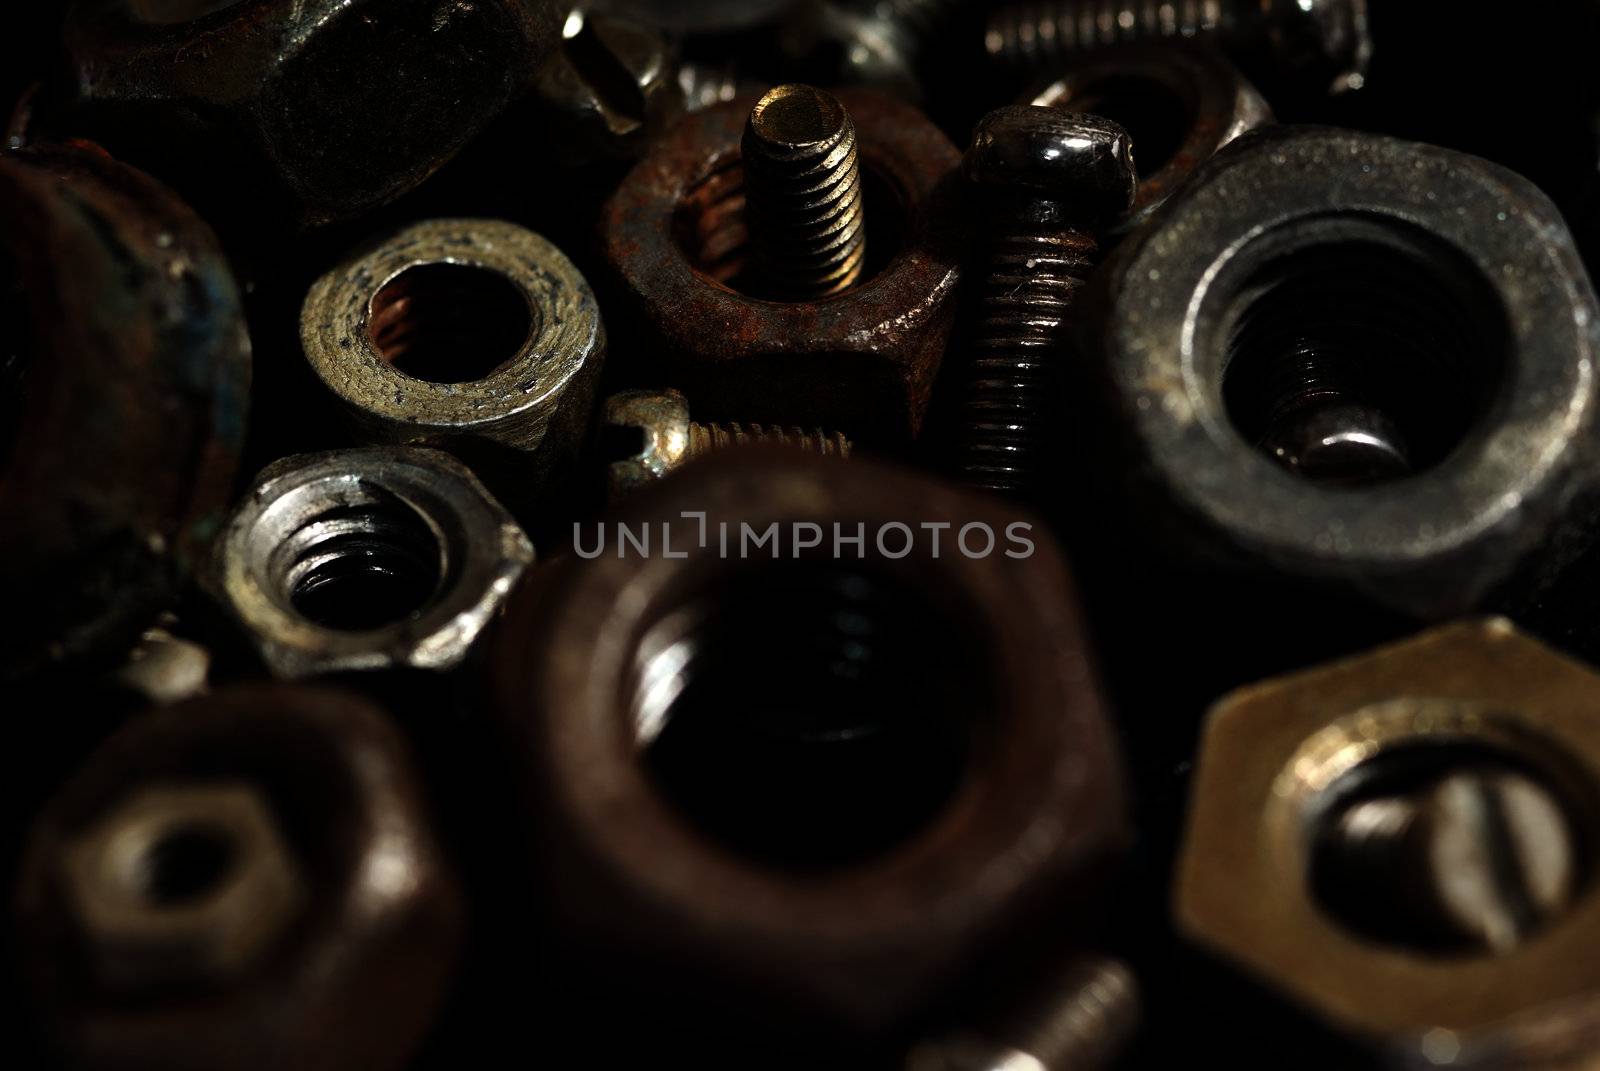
pixel 187 883
pixel 1398 840
pixel 477 336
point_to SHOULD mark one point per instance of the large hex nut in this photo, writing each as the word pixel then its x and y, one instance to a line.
pixel 182 883
pixel 1444 286
pixel 443 554
pixel 121 450
pixel 245 880
pixel 476 336
pixel 1274 758
pixel 861 362
pixel 347 104
pixel 673 827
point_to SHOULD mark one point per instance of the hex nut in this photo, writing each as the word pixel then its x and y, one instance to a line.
pixel 719 889
pixel 120 454
pixel 476 336
pixel 1354 243
pixel 220 874
pixel 861 362
pixel 222 918
pixel 415 521
pixel 1181 103
pixel 1273 756
pixel 346 105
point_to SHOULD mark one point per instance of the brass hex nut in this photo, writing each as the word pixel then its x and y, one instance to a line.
pixel 182 883
pixel 1272 759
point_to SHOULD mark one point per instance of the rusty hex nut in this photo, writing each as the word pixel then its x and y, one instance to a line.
pixel 711 738
pixel 475 336
pixel 243 863
pixel 1358 362
pixel 346 104
pixel 123 395
pixel 366 559
pixel 1180 102
pixel 1283 762
pixel 861 362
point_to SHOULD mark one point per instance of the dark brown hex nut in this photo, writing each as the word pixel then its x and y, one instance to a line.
pixel 347 105
pixel 711 739
pixel 124 383
pixel 1460 773
pixel 1180 102
pixel 862 362
pixel 1361 363
pixel 258 868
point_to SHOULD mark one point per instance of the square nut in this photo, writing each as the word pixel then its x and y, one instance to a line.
pixel 1403 842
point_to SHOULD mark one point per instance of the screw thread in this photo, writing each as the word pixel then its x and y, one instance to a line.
pixel 1038 34
pixel 1013 388
pixel 803 194
pixel 704 438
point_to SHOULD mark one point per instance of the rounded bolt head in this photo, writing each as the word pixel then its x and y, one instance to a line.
pixel 1056 155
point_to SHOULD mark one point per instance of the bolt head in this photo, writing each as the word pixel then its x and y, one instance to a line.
pixel 181 885
pixel 660 421
pixel 1082 160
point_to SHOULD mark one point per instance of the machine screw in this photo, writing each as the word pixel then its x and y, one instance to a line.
pixel 1328 36
pixel 654 430
pixel 803 198
pixel 1049 179
pixel 1079 1020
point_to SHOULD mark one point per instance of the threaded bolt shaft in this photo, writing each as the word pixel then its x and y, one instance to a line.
pixel 1078 1021
pixel 704 438
pixel 803 194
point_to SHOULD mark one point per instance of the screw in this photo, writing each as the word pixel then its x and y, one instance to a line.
pixel 1048 179
pixel 1482 857
pixel 655 436
pixel 803 199
pixel 1320 426
pixel 1328 36
pixel 1080 1020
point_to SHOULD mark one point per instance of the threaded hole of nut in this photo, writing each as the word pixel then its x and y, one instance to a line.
pixel 1449 849
pixel 1365 358
pixel 710 226
pixel 1153 113
pixel 449 323
pixel 362 565
pixel 773 710
pixel 172 12
pixel 185 863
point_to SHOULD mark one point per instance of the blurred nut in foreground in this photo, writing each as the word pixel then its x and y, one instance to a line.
pixel 367 559
pixel 1404 843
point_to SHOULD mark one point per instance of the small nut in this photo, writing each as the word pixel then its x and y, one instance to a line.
pixel 1395 952
pixel 367 559
pixel 182 884
pixel 476 336
pixel 861 362
pixel 1181 103
pixel 1242 332
pixel 708 737
pixel 344 104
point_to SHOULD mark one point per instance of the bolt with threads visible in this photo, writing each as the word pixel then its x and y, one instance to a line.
pixel 1328 40
pixel 1079 1020
pixel 651 435
pixel 803 194
pixel 1047 181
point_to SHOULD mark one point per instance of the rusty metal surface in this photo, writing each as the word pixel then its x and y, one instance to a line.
pixel 584 668
pixel 126 408
pixel 863 361
pixel 324 932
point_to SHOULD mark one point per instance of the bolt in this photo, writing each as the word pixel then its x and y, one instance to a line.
pixel 803 198
pixel 656 436
pixel 1327 36
pixel 1480 857
pixel 1321 426
pixel 1049 179
pixel 1080 1020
